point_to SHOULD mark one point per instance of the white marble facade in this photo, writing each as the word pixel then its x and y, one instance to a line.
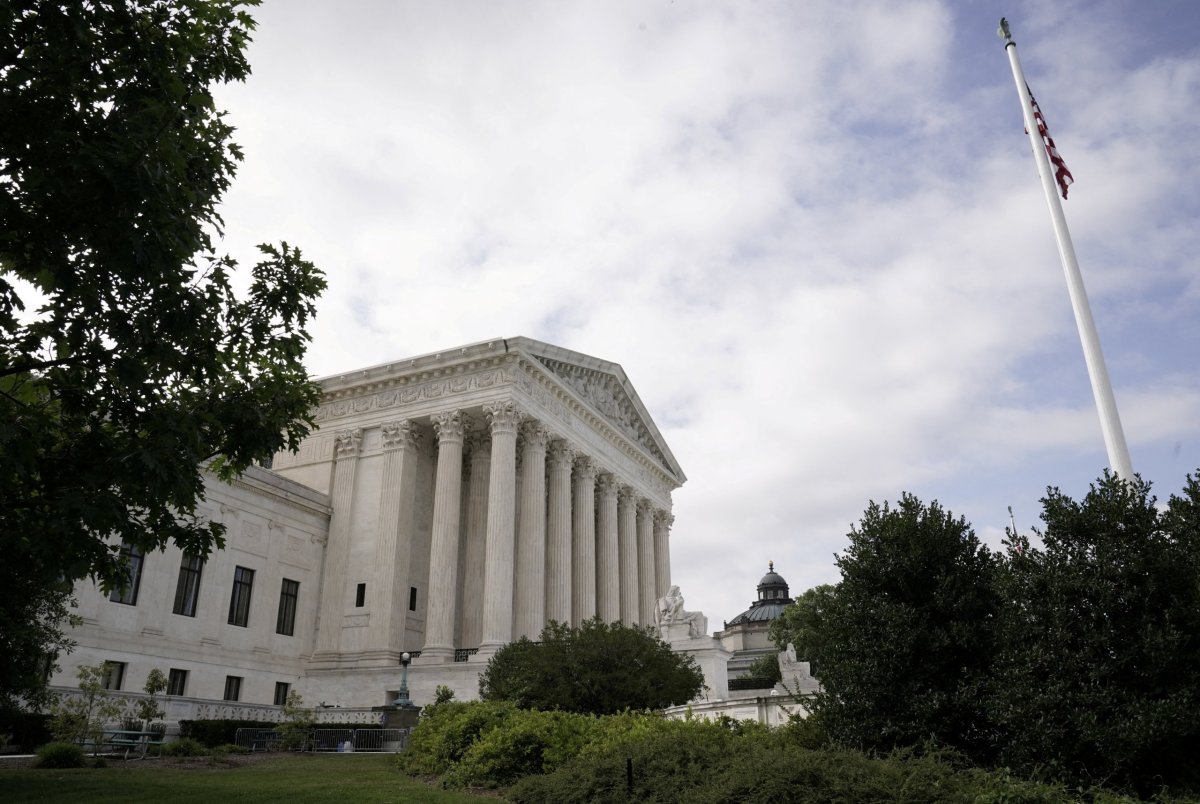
pixel 447 504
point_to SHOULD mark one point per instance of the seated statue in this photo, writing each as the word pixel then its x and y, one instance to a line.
pixel 670 612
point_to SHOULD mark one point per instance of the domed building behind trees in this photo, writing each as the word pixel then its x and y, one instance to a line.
pixel 746 635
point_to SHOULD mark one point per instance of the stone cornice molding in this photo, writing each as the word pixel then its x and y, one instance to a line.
pixel 400 434
pixel 347 443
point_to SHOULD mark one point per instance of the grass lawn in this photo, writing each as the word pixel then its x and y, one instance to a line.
pixel 296 778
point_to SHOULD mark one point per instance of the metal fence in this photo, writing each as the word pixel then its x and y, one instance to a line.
pixel 343 740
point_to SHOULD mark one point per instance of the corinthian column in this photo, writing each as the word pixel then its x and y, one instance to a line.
pixel 583 554
pixel 443 548
pixel 333 584
pixel 647 600
pixel 608 568
pixel 470 597
pixel 397 495
pixel 529 607
pixel 502 500
pixel 628 556
pixel 662 552
pixel 558 536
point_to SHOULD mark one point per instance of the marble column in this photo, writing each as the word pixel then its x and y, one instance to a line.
pixel 397 503
pixel 662 552
pixel 647 600
pixel 503 418
pixel 608 567
pixel 470 600
pixel 558 533
pixel 443 548
pixel 337 549
pixel 628 555
pixel 583 541
pixel 529 605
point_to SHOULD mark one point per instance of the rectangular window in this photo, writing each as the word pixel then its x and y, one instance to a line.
pixel 187 590
pixel 176 681
pixel 233 688
pixel 128 593
pixel 289 593
pixel 114 675
pixel 412 598
pixel 281 692
pixel 239 601
pixel 360 595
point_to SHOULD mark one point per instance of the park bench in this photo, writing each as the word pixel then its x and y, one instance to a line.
pixel 131 740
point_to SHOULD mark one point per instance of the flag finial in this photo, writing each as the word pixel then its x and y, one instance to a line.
pixel 1003 31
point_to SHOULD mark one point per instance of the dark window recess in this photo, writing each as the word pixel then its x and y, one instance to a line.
pixel 187 590
pixel 233 688
pixel 289 595
pixel 412 598
pixel 128 593
pixel 360 595
pixel 239 601
pixel 176 681
pixel 281 692
pixel 114 675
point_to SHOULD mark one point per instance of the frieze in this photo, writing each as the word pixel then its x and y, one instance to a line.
pixel 409 394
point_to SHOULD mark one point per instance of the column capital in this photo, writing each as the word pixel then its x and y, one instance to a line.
pixel 644 506
pixel 627 495
pixel 663 518
pixel 478 442
pixel 502 417
pixel 534 434
pixel 346 443
pixel 585 469
pixel 400 434
pixel 449 425
pixel 560 452
pixel 607 484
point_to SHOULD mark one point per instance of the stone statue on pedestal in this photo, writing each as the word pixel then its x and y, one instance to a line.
pixel 674 622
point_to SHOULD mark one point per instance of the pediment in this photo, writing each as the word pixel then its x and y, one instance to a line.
pixel 603 387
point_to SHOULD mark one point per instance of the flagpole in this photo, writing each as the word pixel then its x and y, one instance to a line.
pixel 1106 405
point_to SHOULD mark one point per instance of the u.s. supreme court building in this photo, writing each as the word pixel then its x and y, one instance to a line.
pixel 447 504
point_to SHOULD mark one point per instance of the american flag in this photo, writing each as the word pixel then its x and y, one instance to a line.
pixel 1061 174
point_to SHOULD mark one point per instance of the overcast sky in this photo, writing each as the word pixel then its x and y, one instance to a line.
pixel 812 233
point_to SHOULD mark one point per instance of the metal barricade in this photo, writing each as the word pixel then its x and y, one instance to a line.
pixel 392 740
pixel 257 739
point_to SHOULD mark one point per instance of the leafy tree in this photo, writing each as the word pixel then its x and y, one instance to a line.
pixel 802 624
pixel 1098 673
pixel 297 724
pixel 904 641
pixel 127 360
pixel 81 718
pixel 597 668
pixel 766 666
pixel 147 709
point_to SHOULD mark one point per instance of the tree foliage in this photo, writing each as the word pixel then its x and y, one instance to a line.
pixel 1074 655
pixel 127 360
pixel 597 668
pixel 1098 672
pixel 903 643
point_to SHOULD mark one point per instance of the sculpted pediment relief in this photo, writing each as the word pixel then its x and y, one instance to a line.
pixel 604 394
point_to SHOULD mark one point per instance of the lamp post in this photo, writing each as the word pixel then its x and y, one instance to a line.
pixel 402 699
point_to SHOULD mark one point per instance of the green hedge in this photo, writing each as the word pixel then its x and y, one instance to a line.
pixel 218 732
pixel 558 758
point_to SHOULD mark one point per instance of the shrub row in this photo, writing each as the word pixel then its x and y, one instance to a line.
pixel 561 757
pixel 213 733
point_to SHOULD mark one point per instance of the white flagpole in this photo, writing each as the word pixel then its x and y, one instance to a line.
pixel 1106 405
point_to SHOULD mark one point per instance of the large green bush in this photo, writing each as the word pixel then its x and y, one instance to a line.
pixel 60 755
pixel 598 668
pixel 446 731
